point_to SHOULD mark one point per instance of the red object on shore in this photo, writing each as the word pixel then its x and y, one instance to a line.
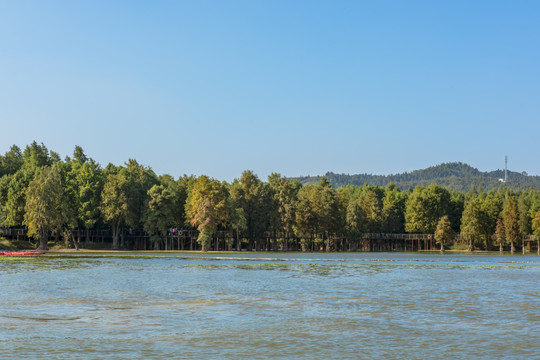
pixel 21 253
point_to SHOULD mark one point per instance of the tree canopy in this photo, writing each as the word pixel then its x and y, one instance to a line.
pixel 47 195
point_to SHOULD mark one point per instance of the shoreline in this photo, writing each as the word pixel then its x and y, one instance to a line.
pixel 149 252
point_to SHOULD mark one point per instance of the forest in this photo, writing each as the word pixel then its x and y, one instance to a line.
pixel 55 200
pixel 456 176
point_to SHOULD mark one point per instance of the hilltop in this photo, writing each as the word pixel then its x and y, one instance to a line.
pixel 455 175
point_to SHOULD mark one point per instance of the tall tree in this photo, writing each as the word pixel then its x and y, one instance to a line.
pixel 524 206
pixel 536 228
pixel 139 180
pixel 35 157
pixel 184 187
pixel 511 222
pixel 114 203
pixel 255 198
pixel 472 222
pixel 16 197
pixel 443 233
pixel 317 215
pixel 491 209
pixel 11 162
pixel 355 218
pixel 285 195
pixel 424 208
pixel 206 208
pixel 160 211
pixel 90 186
pixel 500 234
pixel 372 210
pixel 44 205
pixel 393 220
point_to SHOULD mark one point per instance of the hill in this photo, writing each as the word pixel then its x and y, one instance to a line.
pixel 456 175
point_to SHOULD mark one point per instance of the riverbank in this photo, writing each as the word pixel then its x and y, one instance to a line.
pixel 273 253
pixel 14 245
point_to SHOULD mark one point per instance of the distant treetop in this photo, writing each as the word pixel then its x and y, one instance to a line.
pixel 455 175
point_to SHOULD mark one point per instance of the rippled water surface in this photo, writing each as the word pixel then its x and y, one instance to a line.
pixel 261 306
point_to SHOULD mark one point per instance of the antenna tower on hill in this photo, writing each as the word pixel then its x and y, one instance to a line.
pixel 505 168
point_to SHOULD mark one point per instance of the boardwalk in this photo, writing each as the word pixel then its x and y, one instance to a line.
pixel 180 239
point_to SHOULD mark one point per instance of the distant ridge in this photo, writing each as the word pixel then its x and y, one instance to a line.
pixel 454 175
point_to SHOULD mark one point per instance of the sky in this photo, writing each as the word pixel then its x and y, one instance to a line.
pixel 294 87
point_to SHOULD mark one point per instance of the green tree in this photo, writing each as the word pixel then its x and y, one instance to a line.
pixel 11 162
pixel 114 203
pixel 285 194
pixel 44 205
pixel 238 223
pixel 511 222
pixel 318 216
pixel 16 197
pixel 536 228
pixel 35 157
pixel 371 210
pixel 491 209
pixel 306 217
pixel 500 234
pixel 524 206
pixel 90 184
pixel 472 222
pixel 206 208
pixel 424 208
pixel 255 198
pixel 355 218
pixel 443 233
pixel 184 187
pixel 160 211
pixel 139 180
pixel 393 210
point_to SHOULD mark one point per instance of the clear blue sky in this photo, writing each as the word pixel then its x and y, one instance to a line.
pixel 296 87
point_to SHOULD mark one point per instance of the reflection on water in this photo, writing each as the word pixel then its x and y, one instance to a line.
pixel 256 306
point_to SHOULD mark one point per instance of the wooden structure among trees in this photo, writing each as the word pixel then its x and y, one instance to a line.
pixel 225 241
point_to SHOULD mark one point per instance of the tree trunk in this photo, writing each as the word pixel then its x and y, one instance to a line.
pixel 442 247
pixel 43 237
pixel 500 248
pixel 512 248
pixel 471 248
pixel 115 237
pixel 75 242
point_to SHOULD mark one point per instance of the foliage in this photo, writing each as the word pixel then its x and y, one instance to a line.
pixel 160 210
pixel 257 201
pixel 511 221
pixel 425 207
pixel 318 215
pixel 114 203
pixel 443 232
pixel 536 225
pixel 206 207
pixel 456 176
pixel 44 205
pixel 279 212
pixel 500 234
pixel 472 222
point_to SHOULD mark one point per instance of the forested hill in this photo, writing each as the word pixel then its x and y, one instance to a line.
pixel 456 175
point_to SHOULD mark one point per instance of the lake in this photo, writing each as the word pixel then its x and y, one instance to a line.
pixel 270 306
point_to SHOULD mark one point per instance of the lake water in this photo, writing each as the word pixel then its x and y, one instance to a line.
pixel 270 306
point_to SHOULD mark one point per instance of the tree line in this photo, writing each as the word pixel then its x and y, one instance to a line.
pixel 456 176
pixel 50 196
